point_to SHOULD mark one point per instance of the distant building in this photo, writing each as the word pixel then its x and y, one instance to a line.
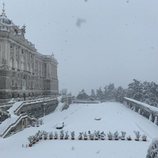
pixel 23 71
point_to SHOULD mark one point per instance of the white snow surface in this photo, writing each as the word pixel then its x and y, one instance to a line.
pixel 79 117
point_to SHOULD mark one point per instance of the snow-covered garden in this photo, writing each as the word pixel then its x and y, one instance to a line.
pixel 90 130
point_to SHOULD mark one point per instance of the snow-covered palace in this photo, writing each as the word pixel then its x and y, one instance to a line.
pixel 23 71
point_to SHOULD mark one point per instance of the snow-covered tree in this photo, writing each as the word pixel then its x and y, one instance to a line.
pixel 66 135
pixel 110 136
pixel 82 95
pixel 80 137
pixel 30 139
pixel 64 92
pixel 85 136
pixel 45 135
pixel 92 95
pixel 123 135
pixel 73 135
pixel 146 92
pixel 144 138
pixel 61 134
pixel 51 135
pixel 111 92
pixel 102 136
pixel 129 138
pixel 116 135
pixel 100 94
pixel 137 134
pixel 91 136
pixel 55 135
pixel 135 90
pixel 119 94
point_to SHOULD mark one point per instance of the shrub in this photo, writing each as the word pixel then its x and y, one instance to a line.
pixel 144 138
pixel 30 139
pixel 51 135
pixel 129 138
pixel 45 135
pixel 91 136
pixel 123 135
pixel 110 136
pixel 102 136
pixel 80 137
pixel 116 135
pixel 61 134
pixel 137 134
pixel 66 135
pixel 85 136
pixel 55 135
pixel 73 135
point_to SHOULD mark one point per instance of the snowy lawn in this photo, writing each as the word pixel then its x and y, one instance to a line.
pixel 104 117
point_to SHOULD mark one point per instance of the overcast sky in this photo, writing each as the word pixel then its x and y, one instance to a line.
pixel 96 42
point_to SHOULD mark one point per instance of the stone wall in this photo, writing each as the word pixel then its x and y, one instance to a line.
pixel 12 82
pixel 39 109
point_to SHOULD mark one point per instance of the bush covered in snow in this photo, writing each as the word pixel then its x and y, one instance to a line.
pixel 110 136
pixel 116 135
pixel 73 135
pixel 96 135
pixel 51 135
pixel 144 138
pixel 66 135
pixel 102 136
pixel 55 135
pixel 123 135
pixel 153 149
pixel 61 134
pixel 137 134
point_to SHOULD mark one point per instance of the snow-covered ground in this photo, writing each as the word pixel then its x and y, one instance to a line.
pixel 81 117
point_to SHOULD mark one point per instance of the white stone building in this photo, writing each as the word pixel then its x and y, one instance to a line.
pixel 23 71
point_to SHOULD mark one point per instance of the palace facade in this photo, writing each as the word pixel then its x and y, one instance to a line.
pixel 23 71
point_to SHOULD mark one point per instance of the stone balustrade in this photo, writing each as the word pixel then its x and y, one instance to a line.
pixel 143 109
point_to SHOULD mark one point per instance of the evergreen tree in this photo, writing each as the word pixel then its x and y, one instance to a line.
pixel 100 94
pixel 111 92
pixel 82 95
pixel 93 95
pixel 106 92
pixel 120 94
pixel 135 90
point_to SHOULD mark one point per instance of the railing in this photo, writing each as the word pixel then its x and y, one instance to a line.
pixel 21 116
pixel 15 123
pixel 33 102
pixel 18 108
pixel 143 109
